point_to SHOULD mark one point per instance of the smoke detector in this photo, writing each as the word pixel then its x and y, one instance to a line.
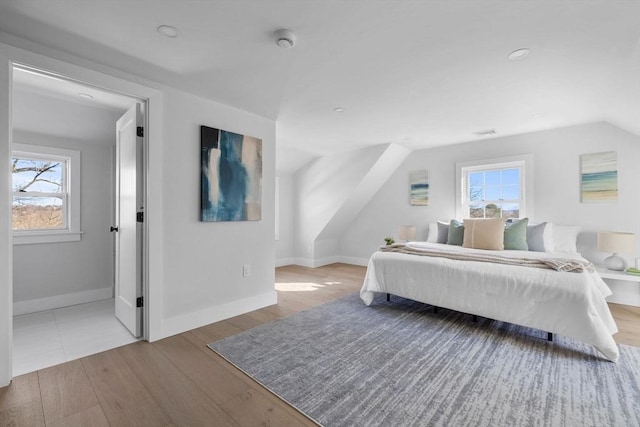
pixel 285 38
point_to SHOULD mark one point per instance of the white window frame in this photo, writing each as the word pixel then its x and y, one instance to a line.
pixel 71 232
pixel 524 162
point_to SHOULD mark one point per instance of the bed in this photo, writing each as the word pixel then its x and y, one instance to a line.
pixel 571 304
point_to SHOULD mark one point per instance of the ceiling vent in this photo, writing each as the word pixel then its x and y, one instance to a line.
pixel 486 132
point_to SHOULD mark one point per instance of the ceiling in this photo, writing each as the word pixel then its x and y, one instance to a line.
pixel 48 105
pixel 26 80
pixel 416 73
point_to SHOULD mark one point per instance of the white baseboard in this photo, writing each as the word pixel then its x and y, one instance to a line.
pixel 313 263
pixel 363 262
pixel 285 261
pixel 59 301
pixel 325 261
pixel 178 324
pixel 304 262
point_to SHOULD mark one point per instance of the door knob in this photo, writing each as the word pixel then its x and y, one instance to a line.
pixel 112 229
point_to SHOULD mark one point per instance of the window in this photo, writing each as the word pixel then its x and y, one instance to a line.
pixel 45 188
pixel 493 188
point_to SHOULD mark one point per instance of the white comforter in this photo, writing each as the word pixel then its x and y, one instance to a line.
pixel 565 303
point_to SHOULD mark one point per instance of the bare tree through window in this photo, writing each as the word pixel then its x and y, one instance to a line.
pixel 38 193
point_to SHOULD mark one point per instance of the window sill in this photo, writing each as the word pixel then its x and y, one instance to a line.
pixel 37 237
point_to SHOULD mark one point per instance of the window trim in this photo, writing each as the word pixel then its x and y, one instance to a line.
pixel 71 233
pixel 524 161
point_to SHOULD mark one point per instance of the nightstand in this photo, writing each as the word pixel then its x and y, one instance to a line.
pixel 618 275
pixel 621 275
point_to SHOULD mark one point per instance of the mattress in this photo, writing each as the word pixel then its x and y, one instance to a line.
pixel 565 303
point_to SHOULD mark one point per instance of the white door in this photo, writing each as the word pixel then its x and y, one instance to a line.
pixel 127 229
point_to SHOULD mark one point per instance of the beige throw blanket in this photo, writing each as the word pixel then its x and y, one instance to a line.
pixel 558 264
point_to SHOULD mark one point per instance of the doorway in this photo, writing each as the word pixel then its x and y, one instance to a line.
pixel 70 298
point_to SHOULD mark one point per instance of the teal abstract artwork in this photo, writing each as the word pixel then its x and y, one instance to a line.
pixel 599 177
pixel 231 176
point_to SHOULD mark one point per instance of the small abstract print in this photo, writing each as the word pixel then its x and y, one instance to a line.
pixel 599 177
pixel 231 176
pixel 419 187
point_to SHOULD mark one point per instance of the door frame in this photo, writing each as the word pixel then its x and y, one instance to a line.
pixel 11 56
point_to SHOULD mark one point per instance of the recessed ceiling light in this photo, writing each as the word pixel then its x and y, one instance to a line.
pixel 85 95
pixel 168 31
pixel 519 53
pixel 338 110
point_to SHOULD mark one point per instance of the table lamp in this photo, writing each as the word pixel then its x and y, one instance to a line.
pixel 407 233
pixel 616 242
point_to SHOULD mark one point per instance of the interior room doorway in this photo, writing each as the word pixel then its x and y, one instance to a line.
pixel 79 273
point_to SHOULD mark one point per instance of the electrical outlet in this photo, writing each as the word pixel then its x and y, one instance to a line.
pixel 246 270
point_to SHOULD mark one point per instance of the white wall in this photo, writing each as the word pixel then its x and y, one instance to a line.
pixel 322 187
pixel 44 271
pixel 203 260
pixel 284 245
pixel 330 191
pixel 556 188
pixel 195 269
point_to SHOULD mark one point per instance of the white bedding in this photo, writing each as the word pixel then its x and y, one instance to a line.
pixel 565 303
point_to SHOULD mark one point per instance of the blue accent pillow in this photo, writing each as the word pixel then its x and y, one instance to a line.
pixel 536 238
pixel 443 232
pixel 515 235
pixel 456 233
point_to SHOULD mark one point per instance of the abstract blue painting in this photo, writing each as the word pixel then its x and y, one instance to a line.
pixel 599 177
pixel 231 176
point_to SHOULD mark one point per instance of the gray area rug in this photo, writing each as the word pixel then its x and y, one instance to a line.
pixel 400 364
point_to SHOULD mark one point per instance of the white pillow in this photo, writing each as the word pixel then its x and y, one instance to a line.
pixel 565 237
pixel 432 236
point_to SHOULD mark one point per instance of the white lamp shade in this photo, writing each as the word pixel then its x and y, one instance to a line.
pixel 407 232
pixel 615 242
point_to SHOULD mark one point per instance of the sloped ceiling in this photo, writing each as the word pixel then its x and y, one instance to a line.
pixel 415 73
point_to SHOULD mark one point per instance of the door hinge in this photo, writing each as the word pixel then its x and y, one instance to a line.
pixel 140 131
pixel 140 302
pixel 140 216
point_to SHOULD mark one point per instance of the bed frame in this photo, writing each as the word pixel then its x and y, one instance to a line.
pixel 474 317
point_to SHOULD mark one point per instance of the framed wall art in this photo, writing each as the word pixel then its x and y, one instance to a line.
pixel 419 187
pixel 231 176
pixel 599 177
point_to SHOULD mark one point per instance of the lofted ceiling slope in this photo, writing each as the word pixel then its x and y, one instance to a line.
pixel 416 73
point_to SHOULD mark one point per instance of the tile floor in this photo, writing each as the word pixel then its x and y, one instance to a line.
pixel 56 336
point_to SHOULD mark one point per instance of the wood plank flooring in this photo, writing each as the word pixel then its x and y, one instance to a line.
pixel 178 381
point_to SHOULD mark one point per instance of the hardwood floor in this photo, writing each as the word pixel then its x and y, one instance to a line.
pixel 179 381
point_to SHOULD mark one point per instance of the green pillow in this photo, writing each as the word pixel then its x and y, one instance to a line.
pixel 456 233
pixel 515 235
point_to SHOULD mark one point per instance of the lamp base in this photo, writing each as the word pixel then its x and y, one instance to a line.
pixel 615 262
